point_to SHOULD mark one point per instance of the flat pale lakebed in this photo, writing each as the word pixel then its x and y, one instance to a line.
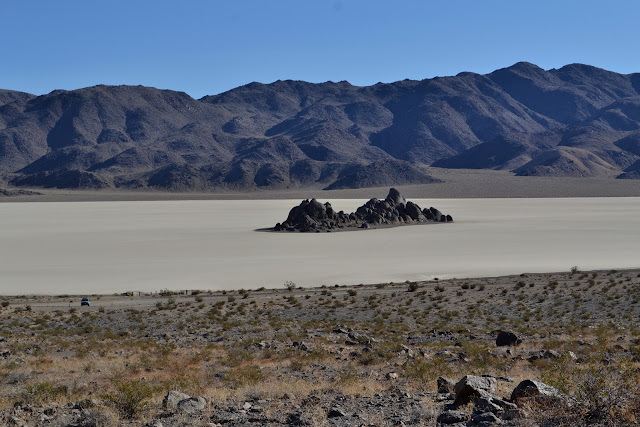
pixel 106 247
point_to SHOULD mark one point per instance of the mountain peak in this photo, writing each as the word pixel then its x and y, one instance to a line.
pixel 524 66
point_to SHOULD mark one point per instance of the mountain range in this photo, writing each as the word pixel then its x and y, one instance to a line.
pixel 574 121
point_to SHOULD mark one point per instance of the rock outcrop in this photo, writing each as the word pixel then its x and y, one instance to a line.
pixel 311 215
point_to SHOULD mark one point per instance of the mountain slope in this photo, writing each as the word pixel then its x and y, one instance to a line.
pixel 575 121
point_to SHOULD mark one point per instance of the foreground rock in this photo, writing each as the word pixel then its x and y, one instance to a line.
pixel 172 398
pixel 192 405
pixel 175 400
pixel 311 215
pixel 528 389
pixel 471 386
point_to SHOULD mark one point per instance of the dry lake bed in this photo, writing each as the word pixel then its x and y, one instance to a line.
pixel 106 247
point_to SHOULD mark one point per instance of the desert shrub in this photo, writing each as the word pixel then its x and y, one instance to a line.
pixel 129 396
pixel 413 286
pixel 290 285
pixel 42 393
pixel 595 395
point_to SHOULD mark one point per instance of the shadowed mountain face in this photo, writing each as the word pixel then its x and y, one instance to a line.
pixel 575 121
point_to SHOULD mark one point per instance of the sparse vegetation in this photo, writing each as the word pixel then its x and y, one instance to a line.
pixel 227 346
pixel 129 397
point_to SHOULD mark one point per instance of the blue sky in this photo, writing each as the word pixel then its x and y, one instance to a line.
pixel 208 47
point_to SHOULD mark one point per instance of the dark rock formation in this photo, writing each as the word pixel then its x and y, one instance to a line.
pixel 311 215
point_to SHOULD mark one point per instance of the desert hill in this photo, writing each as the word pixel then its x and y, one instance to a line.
pixel 574 121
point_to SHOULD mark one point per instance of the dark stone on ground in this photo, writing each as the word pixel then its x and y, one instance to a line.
pixel 507 338
pixel 452 417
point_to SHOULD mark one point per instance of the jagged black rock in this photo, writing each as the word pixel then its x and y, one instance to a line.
pixel 313 216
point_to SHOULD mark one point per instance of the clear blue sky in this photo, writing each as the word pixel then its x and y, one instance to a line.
pixel 207 47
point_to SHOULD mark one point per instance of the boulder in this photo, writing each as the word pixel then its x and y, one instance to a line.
pixel 507 338
pixel 437 215
pixel 534 389
pixel 192 405
pixel 171 400
pixel 329 210
pixel 395 199
pixel 316 209
pixel 471 386
pixel 413 211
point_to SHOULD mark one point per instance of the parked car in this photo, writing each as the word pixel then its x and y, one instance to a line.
pixel 85 301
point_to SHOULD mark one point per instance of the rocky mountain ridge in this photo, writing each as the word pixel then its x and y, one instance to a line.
pixel 574 121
